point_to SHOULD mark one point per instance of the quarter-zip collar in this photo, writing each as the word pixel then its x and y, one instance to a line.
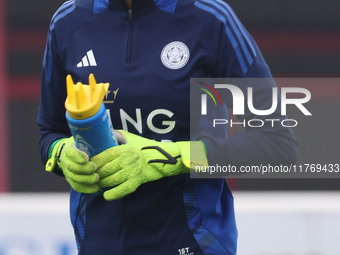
pixel 136 4
pixel 165 5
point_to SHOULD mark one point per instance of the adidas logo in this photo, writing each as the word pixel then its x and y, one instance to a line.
pixel 87 60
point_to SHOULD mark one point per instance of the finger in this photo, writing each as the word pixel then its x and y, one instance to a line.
pixel 120 137
pixel 106 156
pixel 133 139
pixel 87 168
pixel 75 154
pixel 126 159
pixel 82 179
pixel 108 169
pixel 113 180
pixel 122 190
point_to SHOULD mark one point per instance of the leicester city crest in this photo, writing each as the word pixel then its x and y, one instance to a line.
pixel 175 55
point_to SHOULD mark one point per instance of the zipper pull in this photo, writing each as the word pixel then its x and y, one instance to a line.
pixel 130 12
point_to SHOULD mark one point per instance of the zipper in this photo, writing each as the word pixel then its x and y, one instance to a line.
pixel 129 42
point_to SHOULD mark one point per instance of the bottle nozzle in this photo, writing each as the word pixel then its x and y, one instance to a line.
pixel 83 101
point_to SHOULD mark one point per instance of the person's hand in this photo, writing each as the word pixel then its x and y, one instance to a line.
pixel 125 167
pixel 75 165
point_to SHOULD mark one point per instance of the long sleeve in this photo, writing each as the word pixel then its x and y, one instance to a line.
pixel 51 115
pixel 240 60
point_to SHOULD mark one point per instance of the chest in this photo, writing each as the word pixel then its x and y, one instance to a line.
pixel 147 63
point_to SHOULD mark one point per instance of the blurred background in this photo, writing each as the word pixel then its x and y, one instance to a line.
pixel 298 38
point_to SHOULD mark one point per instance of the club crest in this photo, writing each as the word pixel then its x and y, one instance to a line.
pixel 175 55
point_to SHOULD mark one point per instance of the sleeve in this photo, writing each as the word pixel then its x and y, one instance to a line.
pixel 51 114
pixel 240 59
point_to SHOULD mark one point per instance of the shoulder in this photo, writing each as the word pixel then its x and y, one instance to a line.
pixel 74 12
pixel 64 10
pixel 215 9
pixel 71 16
pixel 210 13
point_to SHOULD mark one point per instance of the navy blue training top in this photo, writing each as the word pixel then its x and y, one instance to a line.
pixel 148 54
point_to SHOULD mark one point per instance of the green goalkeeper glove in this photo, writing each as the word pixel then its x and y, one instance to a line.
pixel 124 168
pixel 75 165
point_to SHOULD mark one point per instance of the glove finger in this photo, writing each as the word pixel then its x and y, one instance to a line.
pixel 80 178
pixel 122 190
pixel 121 154
pixel 74 154
pixel 134 140
pixel 105 156
pixel 113 180
pixel 85 169
pixel 84 188
pixel 108 169
pixel 120 137
pixel 128 137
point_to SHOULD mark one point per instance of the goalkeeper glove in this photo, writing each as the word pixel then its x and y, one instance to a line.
pixel 75 165
pixel 124 168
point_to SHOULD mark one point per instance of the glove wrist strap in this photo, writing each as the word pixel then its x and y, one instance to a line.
pixel 54 154
pixel 193 154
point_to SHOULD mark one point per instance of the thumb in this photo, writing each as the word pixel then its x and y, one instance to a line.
pixel 74 154
pixel 120 136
